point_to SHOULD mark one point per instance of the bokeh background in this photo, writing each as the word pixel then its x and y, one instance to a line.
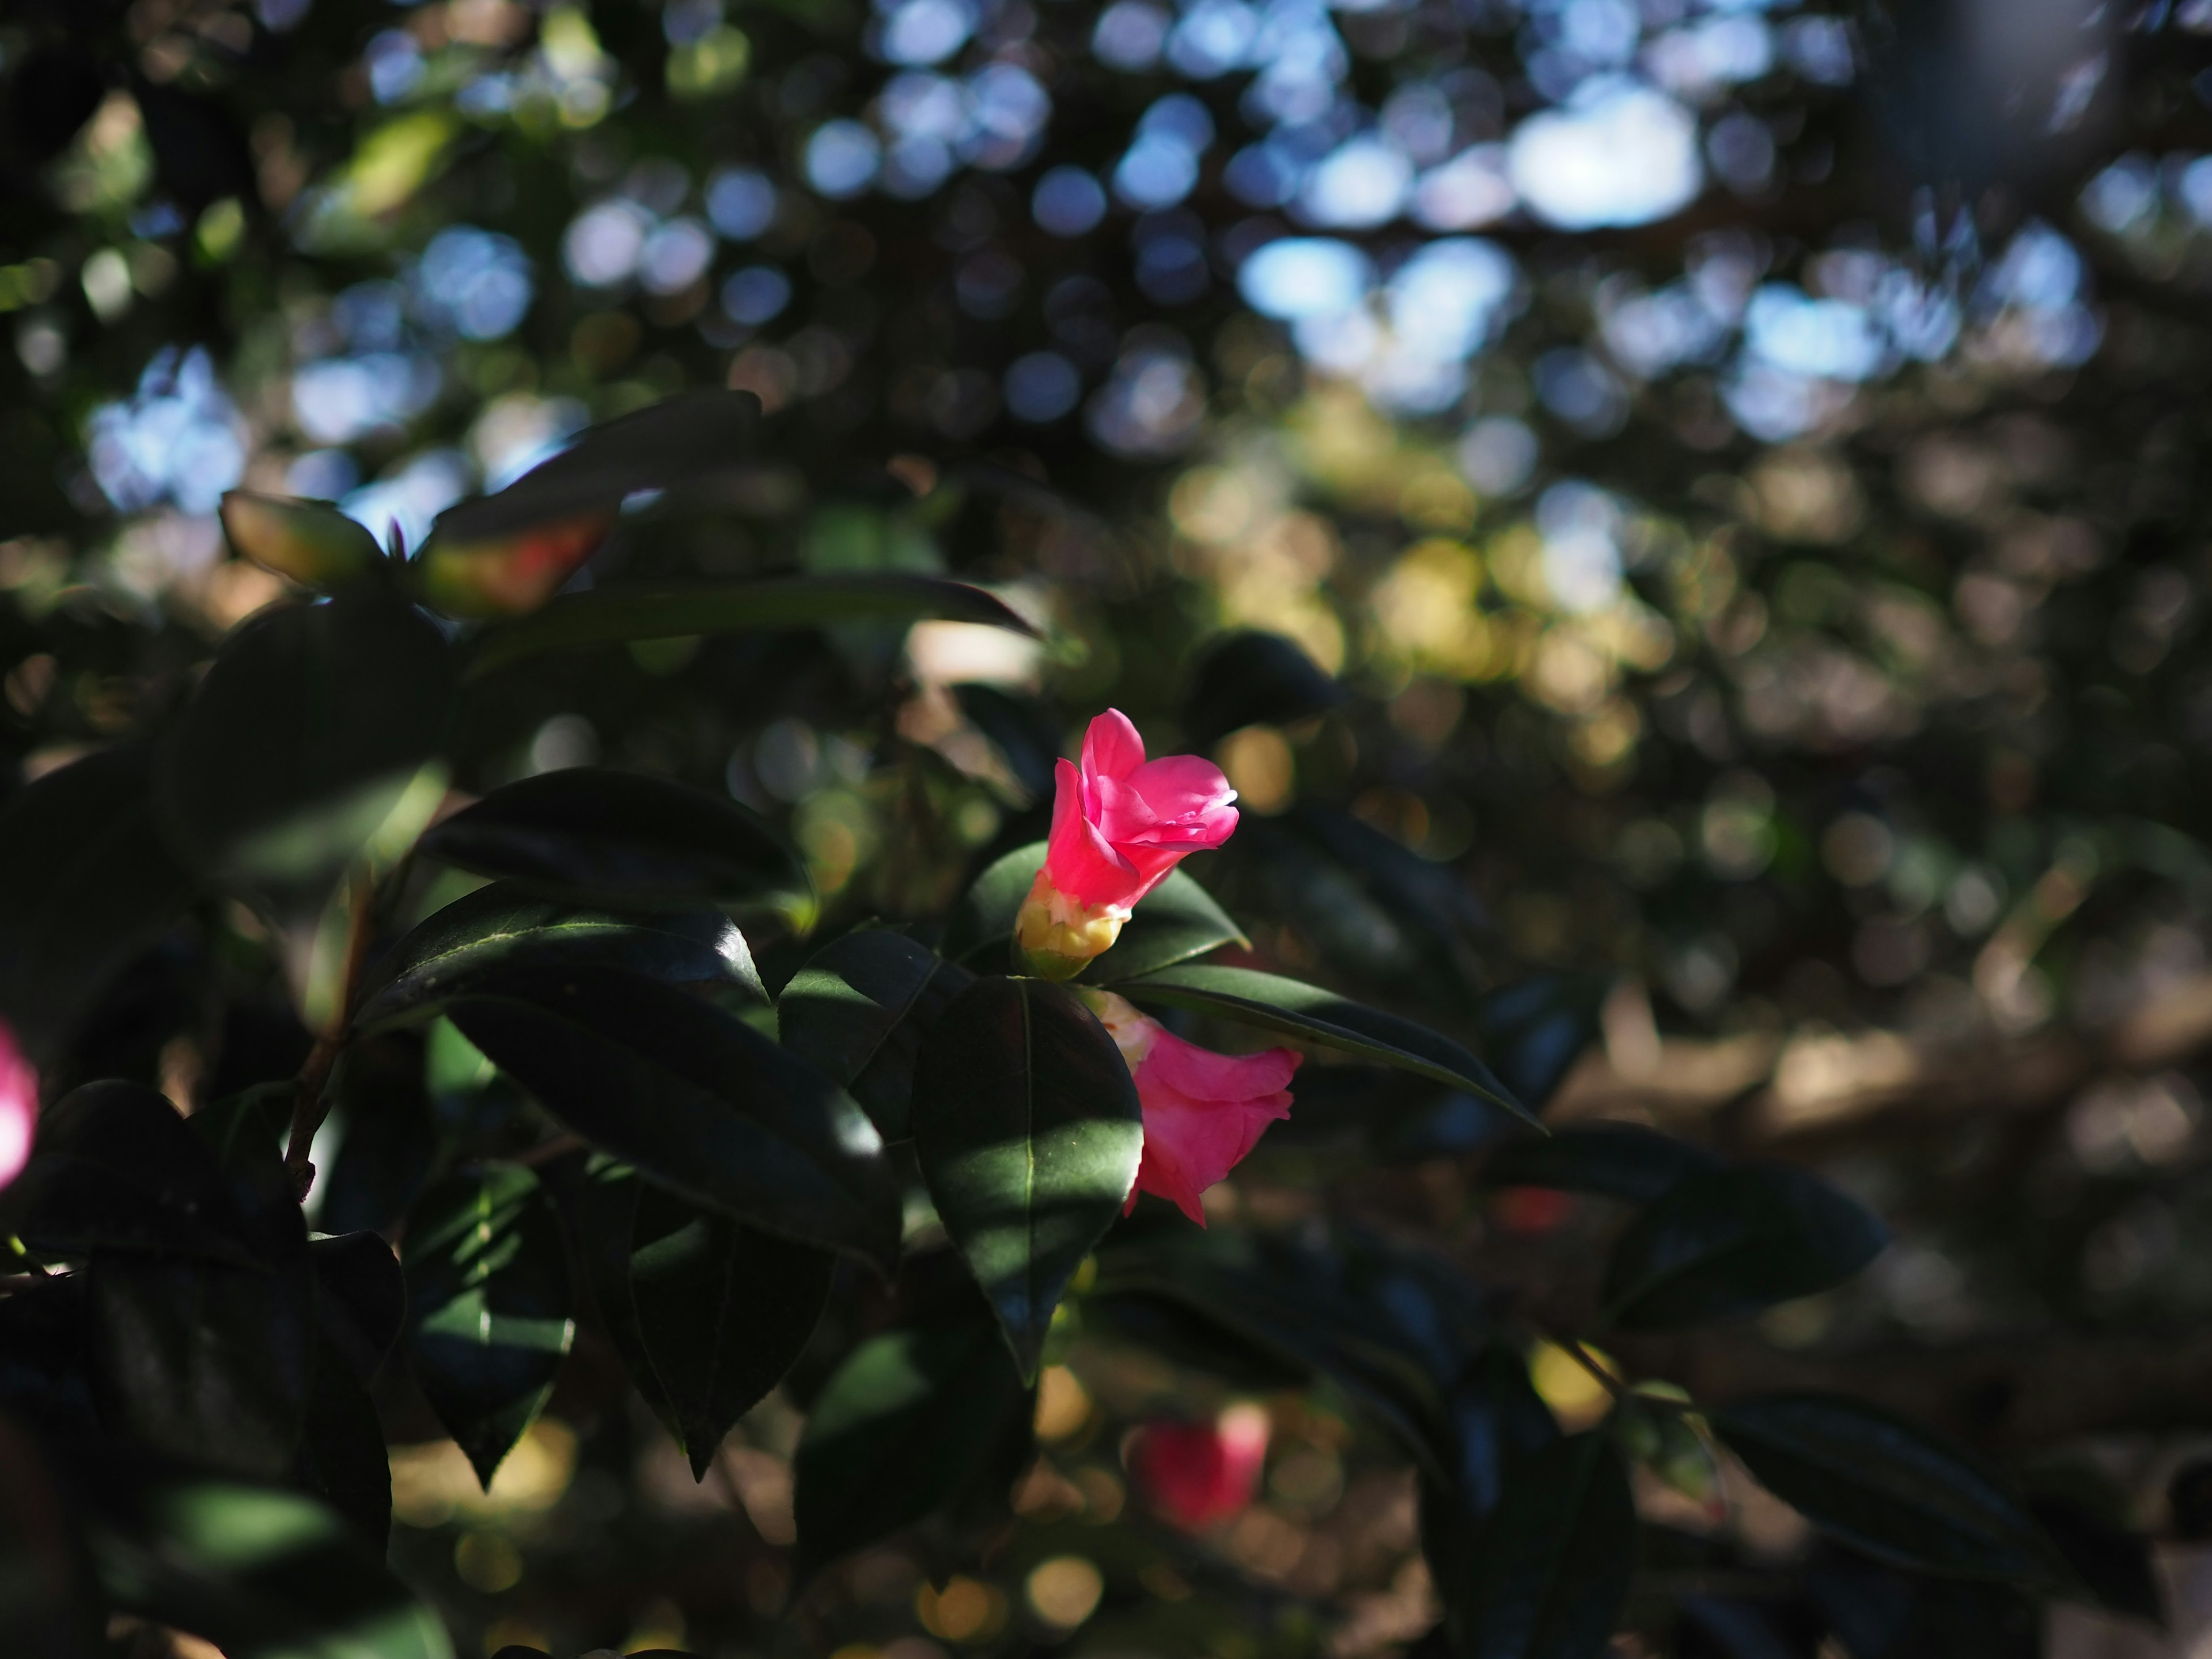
pixel 1737 469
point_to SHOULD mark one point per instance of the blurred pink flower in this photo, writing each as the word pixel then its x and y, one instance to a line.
pixel 1195 1474
pixel 1120 824
pixel 19 1106
pixel 1204 1112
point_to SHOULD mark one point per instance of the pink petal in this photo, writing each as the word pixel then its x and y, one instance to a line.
pixel 1187 795
pixel 19 1106
pixel 1204 1113
pixel 1111 747
pixel 1079 861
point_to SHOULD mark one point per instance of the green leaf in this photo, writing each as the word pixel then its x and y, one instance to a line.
pixel 360 1300
pixel 306 744
pixel 203 1361
pixel 86 884
pixel 859 1010
pixel 659 447
pixel 1551 1573
pixel 623 616
pixel 904 1427
pixel 1250 677
pixel 1176 921
pixel 623 838
pixel 1899 1492
pixel 723 1310
pixel 1301 1310
pixel 343 1458
pixel 1244 996
pixel 1027 1124
pixel 1733 1241
pixel 1534 1029
pixel 506 922
pixel 598 1197
pixel 979 931
pixel 312 543
pixel 489 1315
pixel 694 1098
pixel 261 1573
pixel 1618 1160
pixel 388 1139
pixel 114 1169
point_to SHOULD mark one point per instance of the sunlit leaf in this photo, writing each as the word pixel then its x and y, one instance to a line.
pixel 859 1010
pixel 913 1417
pixel 694 1098
pixel 488 1305
pixel 508 922
pixel 312 543
pixel 1029 1130
pixel 623 616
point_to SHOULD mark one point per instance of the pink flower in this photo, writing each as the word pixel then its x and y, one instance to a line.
pixel 1119 824
pixel 1198 1473
pixel 19 1106
pixel 1204 1112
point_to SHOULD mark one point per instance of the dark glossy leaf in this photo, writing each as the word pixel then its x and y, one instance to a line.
pixel 858 1011
pixel 1185 1336
pixel 85 882
pixel 2115 1562
pixel 388 1139
pixel 1899 1492
pixel 1244 996
pixel 1177 922
pixel 599 1198
pixel 979 931
pixel 623 838
pixel 1551 1571
pixel 1250 678
pixel 203 1361
pixel 723 1310
pixel 115 1168
pixel 623 616
pixel 245 1134
pixel 360 1305
pixel 1375 909
pixel 343 1458
pixel 904 1427
pixel 1022 728
pixel 1027 1124
pixel 1303 1309
pixel 1618 1160
pixel 488 1305
pixel 509 921
pixel 696 1098
pixel 263 1573
pixel 1534 1030
pixel 1494 1421
pixel 659 447
pixel 1732 1241
pixel 302 745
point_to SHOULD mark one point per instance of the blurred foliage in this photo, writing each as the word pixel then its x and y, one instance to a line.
pixel 1691 514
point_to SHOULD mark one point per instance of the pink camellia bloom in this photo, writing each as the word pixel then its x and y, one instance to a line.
pixel 1120 822
pixel 1204 1112
pixel 1198 1473
pixel 19 1106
